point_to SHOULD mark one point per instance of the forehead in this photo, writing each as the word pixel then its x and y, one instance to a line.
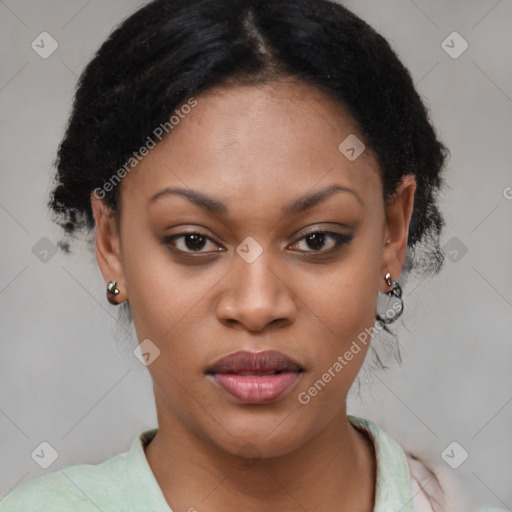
pixel 256 143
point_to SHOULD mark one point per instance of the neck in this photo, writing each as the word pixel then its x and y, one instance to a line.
pixel 334 470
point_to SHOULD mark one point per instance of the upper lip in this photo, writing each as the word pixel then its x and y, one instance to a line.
pixel 268 361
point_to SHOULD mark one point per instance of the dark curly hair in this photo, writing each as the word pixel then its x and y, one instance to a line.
pixel 172 49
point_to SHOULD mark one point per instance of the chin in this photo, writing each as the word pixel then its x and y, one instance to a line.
pixel 255 447
pixel 257 434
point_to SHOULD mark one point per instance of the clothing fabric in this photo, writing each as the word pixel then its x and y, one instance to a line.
pixel 126 483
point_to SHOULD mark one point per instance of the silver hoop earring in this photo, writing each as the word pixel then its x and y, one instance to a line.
pixel 393 313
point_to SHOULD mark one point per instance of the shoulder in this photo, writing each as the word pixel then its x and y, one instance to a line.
pixel 81 488
pixel 415 479
pixel 436 489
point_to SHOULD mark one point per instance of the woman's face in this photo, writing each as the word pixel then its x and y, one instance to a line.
pixel 254 170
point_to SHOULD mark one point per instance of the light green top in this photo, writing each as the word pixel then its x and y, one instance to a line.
pixel 125 482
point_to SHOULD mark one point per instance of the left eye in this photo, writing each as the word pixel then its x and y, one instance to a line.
pixel 318 238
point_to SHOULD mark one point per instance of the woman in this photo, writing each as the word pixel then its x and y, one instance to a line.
pixel 256 174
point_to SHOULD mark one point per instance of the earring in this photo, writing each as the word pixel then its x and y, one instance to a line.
pixel 395 290
pixel 112 290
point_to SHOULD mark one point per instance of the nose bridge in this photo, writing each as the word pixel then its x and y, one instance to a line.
pixel 255 280
pixel 256 294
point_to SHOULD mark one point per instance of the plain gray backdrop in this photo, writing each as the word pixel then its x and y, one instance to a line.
pixel 68 374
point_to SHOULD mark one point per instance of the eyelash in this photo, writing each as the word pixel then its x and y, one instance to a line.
pixel 339 238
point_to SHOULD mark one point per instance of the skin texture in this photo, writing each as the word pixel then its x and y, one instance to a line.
pixel 256 148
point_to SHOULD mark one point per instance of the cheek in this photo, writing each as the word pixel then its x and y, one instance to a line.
pixel 341 342
pixel 344 331
pixel 164 295
pixel 341 305
pixel 171 306
pixel 344 299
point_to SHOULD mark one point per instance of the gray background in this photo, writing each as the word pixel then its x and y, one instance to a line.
pixel 68 375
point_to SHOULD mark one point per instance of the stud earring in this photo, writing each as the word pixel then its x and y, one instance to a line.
pixel 112 291
pixel 395 290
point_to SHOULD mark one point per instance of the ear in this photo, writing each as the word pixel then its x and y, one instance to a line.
pixel 398 217
pixel 108 252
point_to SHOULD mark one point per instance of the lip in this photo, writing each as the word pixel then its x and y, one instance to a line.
pixel 255 377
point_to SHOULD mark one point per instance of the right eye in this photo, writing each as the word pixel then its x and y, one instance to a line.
pixel 191 242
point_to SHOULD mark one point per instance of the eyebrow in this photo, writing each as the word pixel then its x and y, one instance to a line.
pixel 217 207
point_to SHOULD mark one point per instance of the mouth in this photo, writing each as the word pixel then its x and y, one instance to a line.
pixel 255 377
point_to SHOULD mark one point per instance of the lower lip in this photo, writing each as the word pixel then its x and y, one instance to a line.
pixel 255 389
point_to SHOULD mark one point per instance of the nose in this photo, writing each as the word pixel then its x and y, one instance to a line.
pixel 256 296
